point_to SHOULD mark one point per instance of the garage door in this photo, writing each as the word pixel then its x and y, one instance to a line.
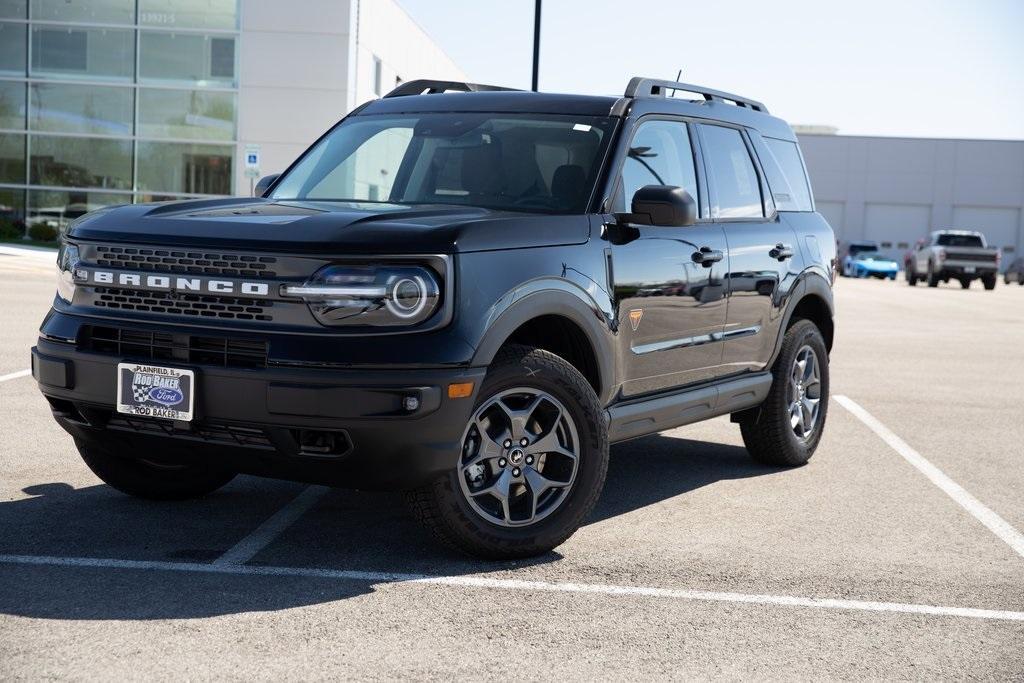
pixel 999 225
pixel 833 213
pixel 896 226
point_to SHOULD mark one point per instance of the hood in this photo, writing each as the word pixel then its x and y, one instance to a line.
pixel 328 227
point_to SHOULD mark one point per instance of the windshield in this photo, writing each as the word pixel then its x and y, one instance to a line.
pixel 950 240
pixel 526 162
pixel 868 253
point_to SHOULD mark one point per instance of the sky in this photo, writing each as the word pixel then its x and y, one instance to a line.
pixel 912 68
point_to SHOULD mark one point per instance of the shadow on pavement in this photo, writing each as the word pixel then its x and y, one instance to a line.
pixel 346 530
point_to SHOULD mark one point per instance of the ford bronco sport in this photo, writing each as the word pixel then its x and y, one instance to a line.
pixel 462 292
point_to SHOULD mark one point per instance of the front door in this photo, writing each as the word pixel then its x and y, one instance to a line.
pixel 670 286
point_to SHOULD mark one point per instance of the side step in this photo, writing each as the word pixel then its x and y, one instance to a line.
pixel 648 416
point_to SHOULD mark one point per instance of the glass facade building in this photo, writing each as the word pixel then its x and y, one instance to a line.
pixel 115 101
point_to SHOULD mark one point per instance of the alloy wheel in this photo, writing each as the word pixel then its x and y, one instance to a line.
pixel 519 458
pixel 804 393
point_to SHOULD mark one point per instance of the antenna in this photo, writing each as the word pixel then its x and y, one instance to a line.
pixel 679 77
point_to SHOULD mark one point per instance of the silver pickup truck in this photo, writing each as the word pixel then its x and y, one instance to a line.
pixel 948 255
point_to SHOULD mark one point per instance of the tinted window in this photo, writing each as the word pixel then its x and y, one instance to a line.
pixel 186 57
pixel 12 158
pixel 81 162
pixel 93 11
pixel 791 192
pixel 501 161
pixel 660 154
pixel 190 114
pixel 83 52
pixel 12 104
pixel 948 240
pixel 184 168
pixel 733 177
pixel 12 48
pixel 218 14
pixel 81 109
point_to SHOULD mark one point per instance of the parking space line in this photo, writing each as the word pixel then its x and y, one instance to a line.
pixel 516 585
pixel 15 375
pixel 265 533
pixel 996 524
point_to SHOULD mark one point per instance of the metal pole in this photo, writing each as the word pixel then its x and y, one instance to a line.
pixel 536 43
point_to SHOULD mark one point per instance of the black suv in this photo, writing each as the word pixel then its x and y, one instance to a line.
pixel 463 292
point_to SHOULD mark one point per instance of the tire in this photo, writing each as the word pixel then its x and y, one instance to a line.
pixel 933 279
pixel 989 281
pixel 153 481
pixel 965 283
pixel 769 433
pixel 911 277
pixel 464 509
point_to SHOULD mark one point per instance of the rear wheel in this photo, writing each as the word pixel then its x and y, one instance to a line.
pixel 965 283
pixel 532 465
pixel 911 276
pixel 989 281
pixel 786 429
pixel 149 478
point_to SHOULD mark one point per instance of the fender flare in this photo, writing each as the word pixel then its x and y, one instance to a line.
pixel 809 283
pixel 560 298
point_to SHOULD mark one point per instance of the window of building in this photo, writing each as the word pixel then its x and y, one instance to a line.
pixel 186 114
pixel 12 48
pixel 13 9
pixel 659 154
pixel 12 158
pixel 12 105
pixel 734 181
pixel 211 14
pixel 81 162
pixel 79 52
pixel 69 108
pixel 187 58
pixel 176 168
pixel 87 11
pixel 378 76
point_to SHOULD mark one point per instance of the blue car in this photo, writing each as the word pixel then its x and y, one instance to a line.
pixel 871 263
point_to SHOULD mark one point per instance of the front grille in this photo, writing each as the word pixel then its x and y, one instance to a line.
pixel 234 435
pixel 196 262
pixel 182 348
pixel 198 305
pixel 963 256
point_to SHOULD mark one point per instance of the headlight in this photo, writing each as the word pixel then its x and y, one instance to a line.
pixel 67 260
pixel 371 296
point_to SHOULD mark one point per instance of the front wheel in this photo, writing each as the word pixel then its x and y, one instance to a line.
pixel 933 278
pixel 989 281
pixel 533 461
pixel 786 429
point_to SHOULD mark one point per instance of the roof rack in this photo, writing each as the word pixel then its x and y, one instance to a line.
pixel 652 87
pixel 429 87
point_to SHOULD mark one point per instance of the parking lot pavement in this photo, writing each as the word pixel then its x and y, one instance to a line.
pixel 697 562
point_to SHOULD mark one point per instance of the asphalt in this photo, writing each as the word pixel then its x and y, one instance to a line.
pixel 697 562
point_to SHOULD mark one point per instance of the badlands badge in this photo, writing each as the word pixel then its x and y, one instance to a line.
pixel 155 391
pixel 634 317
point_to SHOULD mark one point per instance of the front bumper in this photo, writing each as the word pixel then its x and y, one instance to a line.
pixel 267 421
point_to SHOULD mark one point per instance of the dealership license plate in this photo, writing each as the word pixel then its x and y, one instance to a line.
pixel 155 391
pixel 968 269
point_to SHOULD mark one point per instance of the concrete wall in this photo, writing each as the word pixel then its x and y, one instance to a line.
pixel 304 65
pixel 895 190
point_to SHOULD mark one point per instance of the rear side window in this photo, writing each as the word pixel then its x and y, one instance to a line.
pixel 733 178
pixel 791 191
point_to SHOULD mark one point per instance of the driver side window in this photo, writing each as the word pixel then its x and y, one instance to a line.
pixel 659 154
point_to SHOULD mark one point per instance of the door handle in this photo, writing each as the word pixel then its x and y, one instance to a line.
pixel 707 256
pixel 781 252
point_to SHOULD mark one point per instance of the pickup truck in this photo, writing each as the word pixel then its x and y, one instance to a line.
pixel 946 255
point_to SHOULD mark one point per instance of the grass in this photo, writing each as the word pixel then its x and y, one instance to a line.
pixel 31 243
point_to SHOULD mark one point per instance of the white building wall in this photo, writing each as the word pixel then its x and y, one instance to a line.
pixel 895 190
pixel 304 65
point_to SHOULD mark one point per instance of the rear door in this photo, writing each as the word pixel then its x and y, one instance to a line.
pixel 760 246
pixel 669 281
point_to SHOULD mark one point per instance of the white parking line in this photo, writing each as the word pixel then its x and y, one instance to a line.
pixel 996 524
pixel 265 533
pixel 516 585
pixel 15 375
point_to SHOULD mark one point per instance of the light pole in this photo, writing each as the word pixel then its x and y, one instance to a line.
pixel 536 43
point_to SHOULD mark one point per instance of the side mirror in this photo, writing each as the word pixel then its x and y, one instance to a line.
pixel 265 182
pixel 666 205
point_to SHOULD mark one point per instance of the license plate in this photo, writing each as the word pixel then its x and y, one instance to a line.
pixel 155 391
pixel 968 269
